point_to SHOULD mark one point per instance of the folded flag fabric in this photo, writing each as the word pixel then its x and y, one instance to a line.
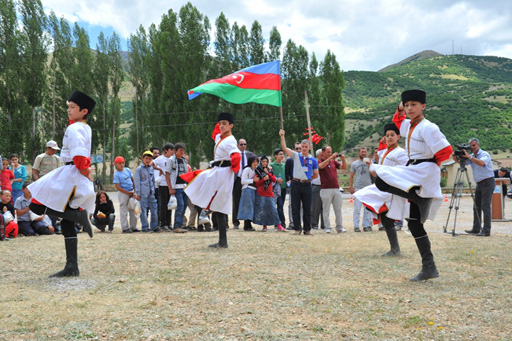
pixel 257 84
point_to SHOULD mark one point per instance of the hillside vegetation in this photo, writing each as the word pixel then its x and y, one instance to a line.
pixel 467 96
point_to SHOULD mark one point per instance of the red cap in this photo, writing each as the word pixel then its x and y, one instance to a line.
pixel 119 159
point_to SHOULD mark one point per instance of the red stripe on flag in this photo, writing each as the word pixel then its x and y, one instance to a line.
pixel 248 80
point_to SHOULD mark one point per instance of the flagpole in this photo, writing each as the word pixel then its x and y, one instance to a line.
pixel 309 123
pixel 281 114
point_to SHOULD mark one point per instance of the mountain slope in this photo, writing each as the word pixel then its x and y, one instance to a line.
pixel 467 96
pixel 417 56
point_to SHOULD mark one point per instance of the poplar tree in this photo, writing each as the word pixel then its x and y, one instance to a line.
pixel 138 49
pixel 195 40
pixel 35 56
pixel 257 44
pixel 101 77
pixel 167 48
pixel 116 79
pixel 10 77
pixel 274 44
pixel 223 46
pixel 294 84
pixel 62 66
pixel 81 73
pixel 332 83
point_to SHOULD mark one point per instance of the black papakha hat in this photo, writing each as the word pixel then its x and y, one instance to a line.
pixel 391 126
pixel 83 101
pixel 226 116
pixel 414 95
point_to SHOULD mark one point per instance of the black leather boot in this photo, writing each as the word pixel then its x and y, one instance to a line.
pixel 428 269
pixel 221 221
pixel 389 225
pixel 71 268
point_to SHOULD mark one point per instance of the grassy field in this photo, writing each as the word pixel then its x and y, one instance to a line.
pixel 265 286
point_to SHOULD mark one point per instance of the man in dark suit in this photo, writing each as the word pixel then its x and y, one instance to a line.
pixel 237 187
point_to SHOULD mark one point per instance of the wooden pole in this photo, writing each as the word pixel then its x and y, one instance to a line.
pixel 309 123
pixel 281 114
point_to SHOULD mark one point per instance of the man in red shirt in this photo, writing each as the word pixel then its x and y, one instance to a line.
pixel 330 192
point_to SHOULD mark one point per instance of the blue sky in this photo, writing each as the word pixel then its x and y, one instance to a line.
pixel 364 35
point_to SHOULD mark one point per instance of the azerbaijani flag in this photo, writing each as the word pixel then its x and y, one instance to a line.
pixel 258 84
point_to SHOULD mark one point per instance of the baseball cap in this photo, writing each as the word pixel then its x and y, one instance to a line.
pixel 119 159
pixel 147 152
pixel 53 145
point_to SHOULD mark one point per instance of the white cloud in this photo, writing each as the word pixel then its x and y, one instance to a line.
pixel 501 51
pixel 364 35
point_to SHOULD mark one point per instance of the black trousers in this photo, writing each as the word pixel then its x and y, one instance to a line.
pixel 67 227
pixel 301 193
pixel 414 224
pixel 164 215
pixel 237 193
pixel 280 204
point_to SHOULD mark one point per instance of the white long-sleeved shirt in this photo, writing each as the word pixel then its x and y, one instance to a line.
pixel 247 178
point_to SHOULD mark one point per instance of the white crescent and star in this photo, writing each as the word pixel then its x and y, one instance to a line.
pixel 236 75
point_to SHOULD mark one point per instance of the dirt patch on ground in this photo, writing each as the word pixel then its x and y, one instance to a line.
pixel 265 286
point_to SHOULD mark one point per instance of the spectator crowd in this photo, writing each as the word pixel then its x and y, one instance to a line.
pixel 154 193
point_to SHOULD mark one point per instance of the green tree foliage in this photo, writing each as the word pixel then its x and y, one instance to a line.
pixel 139 49
pixel 117 77
pixel 80 74
pixel 164 61
pixel 467 96
pixel 274 43
pixel 194 32
pixel 256 44
pixel 11 84
pixel 331 100
pixel 223 46
pixel 34 72
pixel 294 84
pixel 101 77
pixel 62 65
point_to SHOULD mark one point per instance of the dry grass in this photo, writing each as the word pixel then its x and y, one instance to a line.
pixel 265 286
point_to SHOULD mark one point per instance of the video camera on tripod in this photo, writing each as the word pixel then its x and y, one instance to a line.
pixel 460 152
pixel 459 184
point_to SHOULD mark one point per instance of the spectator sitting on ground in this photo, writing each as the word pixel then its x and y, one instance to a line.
pixel 30 224
pixel 104 212
pixel 7 210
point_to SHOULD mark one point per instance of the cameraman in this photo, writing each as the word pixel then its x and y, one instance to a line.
pixel 483 175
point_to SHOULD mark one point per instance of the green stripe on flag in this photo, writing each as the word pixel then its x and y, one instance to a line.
pixel 238 95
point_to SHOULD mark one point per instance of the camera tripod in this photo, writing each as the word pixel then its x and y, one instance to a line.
pixel 457 194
